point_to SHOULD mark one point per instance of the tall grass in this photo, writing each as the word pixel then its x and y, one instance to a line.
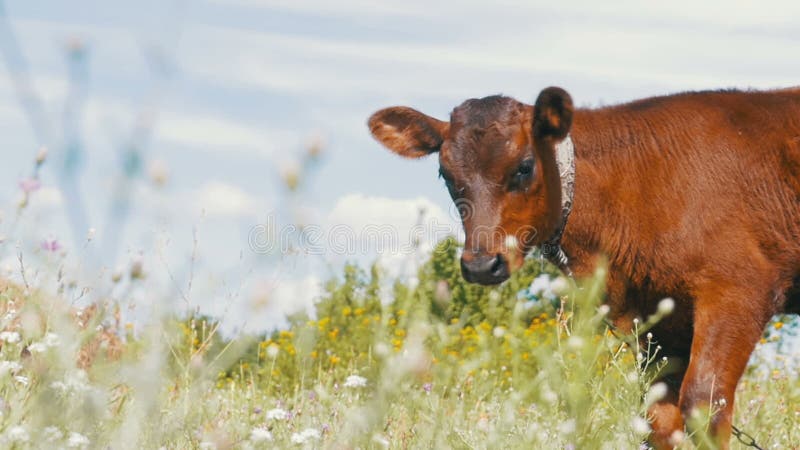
pixel 441 364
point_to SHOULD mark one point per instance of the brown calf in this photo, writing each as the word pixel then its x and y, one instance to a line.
pixel 693 196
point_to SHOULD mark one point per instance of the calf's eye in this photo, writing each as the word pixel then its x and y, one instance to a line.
pixel 522 176
pixel 525 168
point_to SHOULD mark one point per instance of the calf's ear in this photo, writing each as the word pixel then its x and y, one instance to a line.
pixel 552 114
pixel 408 132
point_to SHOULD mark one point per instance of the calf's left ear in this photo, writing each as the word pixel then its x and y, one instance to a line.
pixel 552 114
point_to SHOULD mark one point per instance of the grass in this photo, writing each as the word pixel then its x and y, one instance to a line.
pixel 442 364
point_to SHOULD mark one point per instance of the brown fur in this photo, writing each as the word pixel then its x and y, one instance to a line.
pixel 694 196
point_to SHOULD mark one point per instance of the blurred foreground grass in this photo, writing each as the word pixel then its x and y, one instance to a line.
pixel 436 364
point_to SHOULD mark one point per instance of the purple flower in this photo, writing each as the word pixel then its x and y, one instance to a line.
pixel 51 245
pixel 29 185
pixel 325 428
pixel 427 387
pixel 256 410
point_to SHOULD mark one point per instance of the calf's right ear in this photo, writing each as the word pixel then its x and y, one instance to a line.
pixel 408 132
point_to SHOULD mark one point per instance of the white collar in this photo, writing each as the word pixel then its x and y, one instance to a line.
pixel 565 160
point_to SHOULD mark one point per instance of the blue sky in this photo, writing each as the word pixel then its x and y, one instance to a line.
pixel 252 82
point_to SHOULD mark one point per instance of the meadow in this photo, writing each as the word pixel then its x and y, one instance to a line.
pixel 434 363
pixel 94 356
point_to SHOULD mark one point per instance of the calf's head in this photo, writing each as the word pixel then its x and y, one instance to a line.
pixel 497 159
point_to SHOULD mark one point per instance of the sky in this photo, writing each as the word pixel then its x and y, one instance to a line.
pixel 232 94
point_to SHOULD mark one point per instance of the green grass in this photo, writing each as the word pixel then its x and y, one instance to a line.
pixel 442 364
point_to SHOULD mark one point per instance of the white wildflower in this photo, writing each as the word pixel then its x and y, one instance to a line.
pixel 116 276
pixel 277 414
pixel 676 438
pixel 260 434
pixel 158 171
pixel 51 340
pixel 76 381
pixel 567 427
pixel 575 342
pixel 560 286
pixel 381 349
pixel 656 392
pixel 499 332
pixel 666 306
pixel 7 367
pixel 77 440
pixel 41 156
pixel 306 435
pixel 137 268
pixel 52 434
pixel 640 425
pixel 604 310
pixel 380 440
pixel 273 350
pixel 541 287
pixel 22 380
pixel 37 347
pixel 550 396
pixel 355 381
pixel 483 424
pixel 17 434
pixel 12 337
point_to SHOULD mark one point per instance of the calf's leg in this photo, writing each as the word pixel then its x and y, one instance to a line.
pixel 665 415
pixel 728 321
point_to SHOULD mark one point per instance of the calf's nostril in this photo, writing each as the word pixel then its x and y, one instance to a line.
pixel 499 266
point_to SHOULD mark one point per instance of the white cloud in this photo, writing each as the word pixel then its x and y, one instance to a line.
pixel 211 132
pixel 268 303
pixel 51 89
pixel 213 199
pixel 633 45
pixel 358 211
pixel 737 12
pixel 372 227
pixel 217 198
pixel 343 7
